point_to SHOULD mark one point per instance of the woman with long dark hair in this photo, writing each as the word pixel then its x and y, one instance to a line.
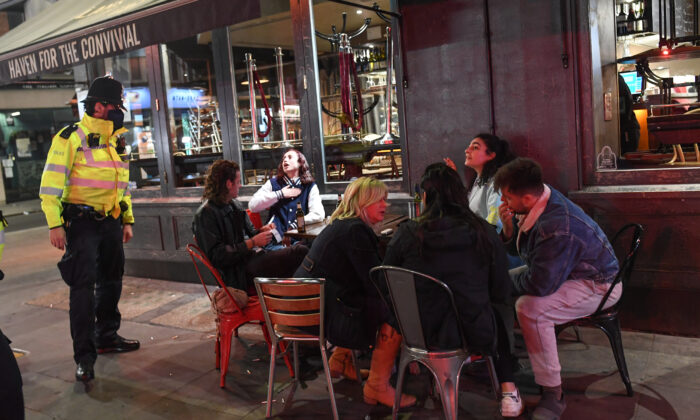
pixel 280 194
pixel 484 155
pixel 451 243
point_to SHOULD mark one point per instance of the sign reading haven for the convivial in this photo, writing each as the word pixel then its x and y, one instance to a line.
pixel 105 43
pixel 171 20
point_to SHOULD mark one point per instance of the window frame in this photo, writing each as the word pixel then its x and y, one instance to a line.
pixel 591 87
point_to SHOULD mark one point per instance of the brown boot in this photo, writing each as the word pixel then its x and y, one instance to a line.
pixel 377 388
pixel 340 364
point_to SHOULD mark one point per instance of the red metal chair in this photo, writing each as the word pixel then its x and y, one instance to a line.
pixel 227 324
pixel 255 219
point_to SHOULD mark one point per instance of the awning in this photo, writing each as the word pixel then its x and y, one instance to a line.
pixel 70 32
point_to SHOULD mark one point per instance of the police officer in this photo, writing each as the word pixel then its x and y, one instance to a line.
pixel 87 205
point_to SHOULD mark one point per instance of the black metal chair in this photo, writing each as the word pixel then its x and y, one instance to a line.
pixel 445 365
pixel 606 318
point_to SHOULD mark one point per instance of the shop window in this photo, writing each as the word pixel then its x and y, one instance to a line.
pixel 651 108
pixel 357 88
pixel 32 112
pixel 266 88
pixel 193 109
pixel 130 69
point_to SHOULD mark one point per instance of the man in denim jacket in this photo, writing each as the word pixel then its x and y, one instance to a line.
pixel 569 267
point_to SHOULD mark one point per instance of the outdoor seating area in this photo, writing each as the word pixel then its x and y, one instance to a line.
pixel 173 375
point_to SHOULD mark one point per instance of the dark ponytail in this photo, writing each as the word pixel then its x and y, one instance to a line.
pixel 504 154
pixel 446 196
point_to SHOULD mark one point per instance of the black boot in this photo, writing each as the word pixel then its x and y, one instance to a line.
pixel 85 372
pixel 118 344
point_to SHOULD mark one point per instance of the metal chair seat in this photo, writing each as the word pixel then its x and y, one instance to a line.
pixel 288 304
pixel 445 365
pixel 227 323
pixel 606 319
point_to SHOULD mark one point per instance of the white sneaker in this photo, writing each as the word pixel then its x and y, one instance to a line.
pixel 511 404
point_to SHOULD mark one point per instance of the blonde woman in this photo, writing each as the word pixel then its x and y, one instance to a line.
pixel 343 254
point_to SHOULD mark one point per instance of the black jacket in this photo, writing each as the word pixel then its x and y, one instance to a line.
pixel 343 254
pixel 449 253
pixel 220 231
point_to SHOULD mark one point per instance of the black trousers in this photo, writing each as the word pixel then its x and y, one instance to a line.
pixel 11 399
pixel 92 266
pixel 278 263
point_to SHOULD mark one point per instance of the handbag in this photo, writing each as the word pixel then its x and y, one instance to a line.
pixel 221 303
pixel 346 327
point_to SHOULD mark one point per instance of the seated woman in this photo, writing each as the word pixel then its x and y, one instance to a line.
pixel 485 154
pixel 225 233
pixel 293 184
pixel 343 254
pixel 449 242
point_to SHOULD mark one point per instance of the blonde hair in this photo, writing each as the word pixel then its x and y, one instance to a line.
pixel 361 193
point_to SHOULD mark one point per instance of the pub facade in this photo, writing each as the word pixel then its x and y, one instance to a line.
pixel 246 80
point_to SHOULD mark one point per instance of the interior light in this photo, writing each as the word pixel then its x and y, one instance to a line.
pixel 15 114
pixel 359 11
pixel 263 80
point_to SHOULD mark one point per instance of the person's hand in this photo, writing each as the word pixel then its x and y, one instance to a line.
pixel 290 192
pixel 449 163
pixel 127 233
pixel 270 226
pixel 57 236
pixel 262 238
pixel 505 213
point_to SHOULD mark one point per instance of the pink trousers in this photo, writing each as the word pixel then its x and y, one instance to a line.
pixel 538 316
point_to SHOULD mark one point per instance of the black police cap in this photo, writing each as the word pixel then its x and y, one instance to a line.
pixel 105 89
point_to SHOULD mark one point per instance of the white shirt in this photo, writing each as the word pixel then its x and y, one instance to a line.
pixel 264 198
pixel 484 201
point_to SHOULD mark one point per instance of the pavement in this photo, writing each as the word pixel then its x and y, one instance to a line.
pixel 21 207
pixel 173 375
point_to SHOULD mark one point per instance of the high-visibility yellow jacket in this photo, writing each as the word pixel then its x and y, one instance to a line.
pixel 78 174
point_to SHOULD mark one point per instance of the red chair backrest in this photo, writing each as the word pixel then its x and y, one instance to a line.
pixel 255 218
pixel 198 255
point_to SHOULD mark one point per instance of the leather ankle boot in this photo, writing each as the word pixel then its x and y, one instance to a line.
pixel 377 388
pixel 340 364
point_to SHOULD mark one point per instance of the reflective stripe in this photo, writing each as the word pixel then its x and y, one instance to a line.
pixel 86 150
pixel 101 146
pixel 53 167
pixel 2 237
pixel 96 183
pixel 104 164
pixel 83 138
pixel 58 192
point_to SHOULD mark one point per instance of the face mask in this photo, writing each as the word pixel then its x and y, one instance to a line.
pixel 117 117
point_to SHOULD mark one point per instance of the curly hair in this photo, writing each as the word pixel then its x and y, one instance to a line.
pixel 215 183
pixel 501 148
pixel 304 173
